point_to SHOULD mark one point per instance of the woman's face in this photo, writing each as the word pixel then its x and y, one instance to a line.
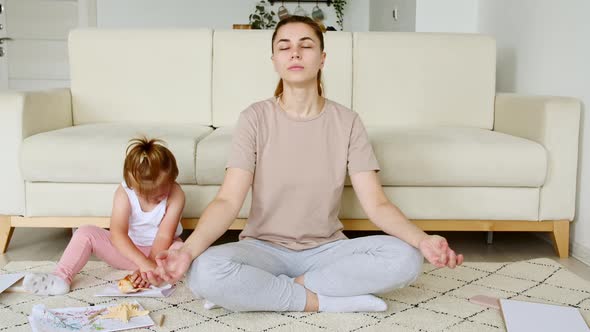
pixel 297 56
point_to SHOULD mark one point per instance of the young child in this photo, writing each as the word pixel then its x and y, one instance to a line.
pixel 145 220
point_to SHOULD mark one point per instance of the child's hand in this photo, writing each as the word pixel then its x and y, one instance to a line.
pixel 147 273
pixel 138 280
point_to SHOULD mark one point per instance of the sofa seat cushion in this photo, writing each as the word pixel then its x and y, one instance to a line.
pixel 457 156
pixel 95 153
pixel 438 156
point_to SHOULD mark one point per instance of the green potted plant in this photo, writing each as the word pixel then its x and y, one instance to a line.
pixel 261 18
pixel 339 9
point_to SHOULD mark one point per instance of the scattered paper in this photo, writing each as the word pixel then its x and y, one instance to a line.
pixel 87 319
pixel 153 291
pixel 521 316
pixel 7 280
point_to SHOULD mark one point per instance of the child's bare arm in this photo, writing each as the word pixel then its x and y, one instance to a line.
pixel 119 231
pixel 167 229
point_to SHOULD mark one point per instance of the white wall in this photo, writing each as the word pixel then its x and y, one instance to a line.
pixel 356 15
pixel 381 15
pixel 211 14
pixel 446 16
pixel 543 48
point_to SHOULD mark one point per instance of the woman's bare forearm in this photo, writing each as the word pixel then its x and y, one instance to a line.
pixel 215 221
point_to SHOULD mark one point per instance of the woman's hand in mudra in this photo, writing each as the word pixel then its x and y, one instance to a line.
pixel 436 251
pixel 172 264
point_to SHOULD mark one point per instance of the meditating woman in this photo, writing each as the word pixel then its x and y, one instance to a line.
pixel 294 150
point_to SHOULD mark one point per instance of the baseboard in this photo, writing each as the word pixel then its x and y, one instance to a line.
pixel 581 253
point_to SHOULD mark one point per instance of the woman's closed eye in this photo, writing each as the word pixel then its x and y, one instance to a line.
pixel 284 48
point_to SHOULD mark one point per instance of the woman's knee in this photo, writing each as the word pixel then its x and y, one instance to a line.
pixel 207 272
pixel 413 261
pixel 405 261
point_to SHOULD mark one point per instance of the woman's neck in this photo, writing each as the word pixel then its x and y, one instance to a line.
pixel 301 102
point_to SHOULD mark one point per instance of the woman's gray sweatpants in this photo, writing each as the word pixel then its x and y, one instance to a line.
pixel 254 275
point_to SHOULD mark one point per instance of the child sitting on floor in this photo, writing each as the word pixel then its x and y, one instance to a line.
pixel 145 220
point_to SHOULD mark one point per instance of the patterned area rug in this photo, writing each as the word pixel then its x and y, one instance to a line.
pixel 436 302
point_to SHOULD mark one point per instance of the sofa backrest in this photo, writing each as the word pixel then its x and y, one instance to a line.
pixel 156 76
pixel 203 77
pixel 424 79
pixel 243 72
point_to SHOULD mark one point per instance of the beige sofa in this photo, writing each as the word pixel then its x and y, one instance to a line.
pixel 454 154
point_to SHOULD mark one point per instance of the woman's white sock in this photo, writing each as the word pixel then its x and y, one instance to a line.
pixel 360 303
pixel 210 305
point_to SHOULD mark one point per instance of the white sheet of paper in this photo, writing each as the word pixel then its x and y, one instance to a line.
pixel 113 290
pixel 521 316
pixel 7 280
pixel 43 319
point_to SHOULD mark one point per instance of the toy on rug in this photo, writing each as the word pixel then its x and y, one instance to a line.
pixel 124 312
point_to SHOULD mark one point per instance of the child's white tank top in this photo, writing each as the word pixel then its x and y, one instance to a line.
pixel 143 226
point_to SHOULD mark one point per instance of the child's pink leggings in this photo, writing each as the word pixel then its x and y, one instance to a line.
pixel 89 240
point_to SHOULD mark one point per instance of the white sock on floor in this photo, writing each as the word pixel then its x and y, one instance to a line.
pixel 360 303
pixel 45 284
pixel 210 305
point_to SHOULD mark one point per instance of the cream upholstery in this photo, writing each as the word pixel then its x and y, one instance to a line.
pixel 95 153
pixel 23 114
pixel 472 203
pixel 553 122
pixel 58 199
pixel 458 157
pixel 435 156
pixel 157 76
pixel 422 79
pixel 212 153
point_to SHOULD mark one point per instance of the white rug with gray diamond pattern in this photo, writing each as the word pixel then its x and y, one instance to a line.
pixel 435 302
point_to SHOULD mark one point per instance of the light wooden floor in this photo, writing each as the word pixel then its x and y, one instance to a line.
pixel 48 243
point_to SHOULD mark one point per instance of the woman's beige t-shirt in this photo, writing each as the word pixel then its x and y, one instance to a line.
pixel 299 169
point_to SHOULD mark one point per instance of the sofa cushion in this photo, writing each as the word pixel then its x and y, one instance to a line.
pixel 424 79
pixel 440 156
pixel 157 75
pixel 447 156
pixel 95 153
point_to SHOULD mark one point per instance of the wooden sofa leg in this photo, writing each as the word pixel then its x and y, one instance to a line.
pixel 561 237
pixel 6 230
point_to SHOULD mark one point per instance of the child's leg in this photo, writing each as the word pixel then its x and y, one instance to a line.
pixel 72 261
pixel 85 241
pixel 89 240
